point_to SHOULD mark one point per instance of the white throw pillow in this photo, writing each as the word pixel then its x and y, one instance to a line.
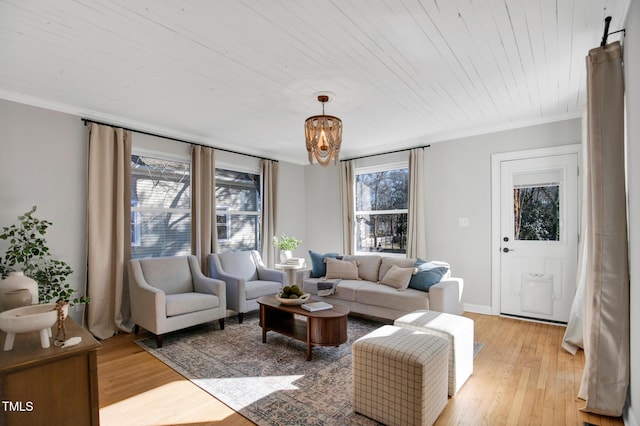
pixel 347 270
pixel 398 277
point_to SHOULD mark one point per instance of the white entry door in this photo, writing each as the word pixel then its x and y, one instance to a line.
pixel 538 236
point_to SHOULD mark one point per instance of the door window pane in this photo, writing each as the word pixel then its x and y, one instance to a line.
pixel 536 213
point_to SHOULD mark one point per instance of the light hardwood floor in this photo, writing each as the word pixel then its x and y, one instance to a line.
pixel 521 376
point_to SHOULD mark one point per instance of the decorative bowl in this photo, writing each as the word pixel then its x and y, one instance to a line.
pixel 29 318
pixel 293 302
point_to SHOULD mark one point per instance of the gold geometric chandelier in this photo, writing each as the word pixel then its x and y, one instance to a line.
pixel 324 136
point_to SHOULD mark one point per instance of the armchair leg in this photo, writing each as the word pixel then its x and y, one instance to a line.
pixel 240 317
pixel 136 329
pixel 221 322
pixel 159 340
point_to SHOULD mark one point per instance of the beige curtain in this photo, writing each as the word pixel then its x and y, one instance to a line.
pixel 108 230
pixel 416 238
pixel 573 336
pixel 347 182
pixel 269 171
pixel 203 204
pixel 606 318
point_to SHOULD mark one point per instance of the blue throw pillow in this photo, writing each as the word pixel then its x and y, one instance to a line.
pixel 318 267
pixel 428 274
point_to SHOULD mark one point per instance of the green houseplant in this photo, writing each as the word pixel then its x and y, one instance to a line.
pixel 286 243
pixel 28 252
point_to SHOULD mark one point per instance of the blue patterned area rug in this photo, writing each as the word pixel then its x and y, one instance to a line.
pixel 272 383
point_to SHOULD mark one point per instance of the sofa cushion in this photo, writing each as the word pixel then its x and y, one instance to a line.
pixel 185 303
pixel 387 262
pixel 318 267
pixel 398 277
pixel 382 295
pixel 427 275
pixel 348 289
pixel 368 266
pixel 344 269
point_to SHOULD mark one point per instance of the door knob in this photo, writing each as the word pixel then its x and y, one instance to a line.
pixel 507 250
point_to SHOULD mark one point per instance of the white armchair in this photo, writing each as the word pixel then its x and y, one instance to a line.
pixel 172 293
pixel 246 278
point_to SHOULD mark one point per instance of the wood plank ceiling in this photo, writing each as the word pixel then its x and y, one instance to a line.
pixel 243 74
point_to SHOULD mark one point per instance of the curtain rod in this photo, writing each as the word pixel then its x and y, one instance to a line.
pixel 606 34
pixel 384 153
pixel 142 132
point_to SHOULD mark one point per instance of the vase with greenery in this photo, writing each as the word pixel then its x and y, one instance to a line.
pixel 28 252
pixel 286 244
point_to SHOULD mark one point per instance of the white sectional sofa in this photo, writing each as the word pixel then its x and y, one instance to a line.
pixel 366 294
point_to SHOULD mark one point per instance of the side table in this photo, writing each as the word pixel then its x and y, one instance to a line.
pixel 290 270
pixel 50 386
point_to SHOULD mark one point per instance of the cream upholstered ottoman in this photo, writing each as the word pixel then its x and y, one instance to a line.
pixel 400 376
pixel 458 331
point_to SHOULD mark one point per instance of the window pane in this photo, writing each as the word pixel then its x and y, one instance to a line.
pixel 385 190
pixel 242 233
pixel 238 210
pixel 237 190
pixel 381 210
pixel 162 234
pixel 537 213
pixel 161 207
pixel 381 232
pixel 222 223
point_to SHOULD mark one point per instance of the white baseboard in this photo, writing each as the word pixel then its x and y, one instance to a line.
pixel 478 309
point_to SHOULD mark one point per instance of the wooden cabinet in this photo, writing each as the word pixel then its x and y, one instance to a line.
pixel 49 386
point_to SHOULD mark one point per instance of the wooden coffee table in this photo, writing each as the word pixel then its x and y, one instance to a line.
pixel 321 328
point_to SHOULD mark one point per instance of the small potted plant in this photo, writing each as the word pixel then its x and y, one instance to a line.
pixel 28 254
pixel 286 245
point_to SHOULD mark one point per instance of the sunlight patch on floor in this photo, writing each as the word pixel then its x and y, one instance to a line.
pixel 131 411
pixel 244 391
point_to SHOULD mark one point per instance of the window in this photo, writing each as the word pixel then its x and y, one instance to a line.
pixel 222 223
pixel 381 208
pixel 237 210
pixel 160 207
pixel 536 212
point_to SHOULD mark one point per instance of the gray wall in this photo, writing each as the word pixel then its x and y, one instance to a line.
pixel 43 163
pixel 458 184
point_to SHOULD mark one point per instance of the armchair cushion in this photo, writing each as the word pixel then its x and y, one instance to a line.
pixel 184 303
pixel 171 275
pixel 255 289
pixel 240 265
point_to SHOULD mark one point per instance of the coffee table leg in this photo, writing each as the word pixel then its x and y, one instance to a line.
pixel 309 347
pixel 263 323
